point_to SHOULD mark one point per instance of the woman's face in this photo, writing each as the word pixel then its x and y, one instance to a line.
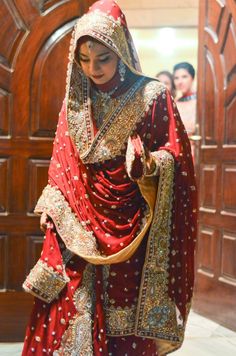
pixel 165 80
pixel 98 62
pixel 183 80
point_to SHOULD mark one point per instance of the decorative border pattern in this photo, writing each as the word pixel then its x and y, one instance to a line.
pixel 75 237
pixel 77 339
pixel 112 137
pixel 44 282
pixel 78 240
pixel 120 321
pixel 156 317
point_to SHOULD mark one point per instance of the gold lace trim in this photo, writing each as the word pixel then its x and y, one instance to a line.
pixel 77 339
pixel 111 139
pixel 44 282
pixel 157 315
pixel 75 237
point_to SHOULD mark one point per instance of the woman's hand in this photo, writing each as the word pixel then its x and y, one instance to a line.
pixel 44 219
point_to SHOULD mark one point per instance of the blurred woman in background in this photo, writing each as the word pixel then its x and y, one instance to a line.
pixel 167 78
pixel 184 75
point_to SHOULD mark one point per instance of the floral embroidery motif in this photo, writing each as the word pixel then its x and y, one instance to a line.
pixel 77 339
pixel 120 321
pixel 44 282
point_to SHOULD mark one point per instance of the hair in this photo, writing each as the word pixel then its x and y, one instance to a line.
pixel 171 77
pixel 187 66
pixel 85 39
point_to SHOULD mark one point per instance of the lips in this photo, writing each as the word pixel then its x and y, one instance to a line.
pixel 97 76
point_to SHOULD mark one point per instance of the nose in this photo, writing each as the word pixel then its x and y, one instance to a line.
pixel 94 67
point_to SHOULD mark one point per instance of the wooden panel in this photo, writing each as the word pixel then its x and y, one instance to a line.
pixel 16 261
pixel 14 313
pixel 210 97
pixel 230 123
pixel 3 262
pixel 229 46
pixel 228 184
pixel 208 186
pixel 214 12
pixel 34 248
pixel 49 5
pixel 4 186
pixel 206 251
pixel 215 289
pixel 228 258
pixel 5 113
pixel 13 26
pixel 50 62
pixel 38 177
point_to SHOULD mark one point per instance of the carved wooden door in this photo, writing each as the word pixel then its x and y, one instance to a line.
pixel 215 293
pixel 34 43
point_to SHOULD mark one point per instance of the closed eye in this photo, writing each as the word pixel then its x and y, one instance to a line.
pixel 103 60
pixel 83 59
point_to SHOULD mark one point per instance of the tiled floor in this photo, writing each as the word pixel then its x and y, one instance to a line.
pixel 203 338
pixel 206 338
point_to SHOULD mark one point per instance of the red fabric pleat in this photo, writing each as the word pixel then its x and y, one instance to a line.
pixel 99 328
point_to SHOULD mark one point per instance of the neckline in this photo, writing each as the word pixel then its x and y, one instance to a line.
pixel 189 96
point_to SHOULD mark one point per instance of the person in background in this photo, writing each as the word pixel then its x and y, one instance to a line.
pixel 184 74
pixel 167 78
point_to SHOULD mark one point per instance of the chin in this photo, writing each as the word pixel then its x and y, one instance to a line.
pixel 103 80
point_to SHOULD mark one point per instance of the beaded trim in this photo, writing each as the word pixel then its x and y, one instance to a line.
pixel 156 316
pixel 44 282
pixel 112 137
pixel 75 237
pixel 77 339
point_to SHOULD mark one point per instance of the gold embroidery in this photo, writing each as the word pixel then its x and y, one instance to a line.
pixel 76 238
pixel 77 339
pixel 113 135
pixel 110 32
pixel 120 321
pixel 156 316
pixel 44 282
pixel 105 29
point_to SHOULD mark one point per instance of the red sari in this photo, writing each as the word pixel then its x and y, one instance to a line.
pixel 116 272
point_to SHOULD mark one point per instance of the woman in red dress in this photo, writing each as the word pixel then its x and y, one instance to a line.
pixel 115 276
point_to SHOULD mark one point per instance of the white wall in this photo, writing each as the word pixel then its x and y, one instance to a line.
pixel 159 13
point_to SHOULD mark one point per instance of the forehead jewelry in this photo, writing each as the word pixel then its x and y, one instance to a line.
pixel 90 45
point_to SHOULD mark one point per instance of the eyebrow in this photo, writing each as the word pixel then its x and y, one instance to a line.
pixel 99 55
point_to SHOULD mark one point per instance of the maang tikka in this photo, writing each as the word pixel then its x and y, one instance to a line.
pixel 122 70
